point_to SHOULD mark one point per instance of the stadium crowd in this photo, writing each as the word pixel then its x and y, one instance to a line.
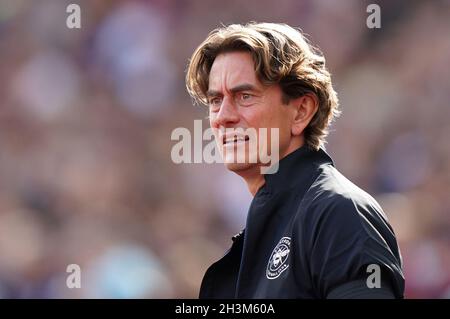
pixel 86 117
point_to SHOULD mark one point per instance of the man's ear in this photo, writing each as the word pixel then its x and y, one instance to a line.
pixel 305 107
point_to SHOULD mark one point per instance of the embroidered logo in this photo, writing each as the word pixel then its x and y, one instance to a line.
pixel 278 259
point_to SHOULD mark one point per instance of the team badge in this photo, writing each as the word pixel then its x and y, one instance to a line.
pixel 278 259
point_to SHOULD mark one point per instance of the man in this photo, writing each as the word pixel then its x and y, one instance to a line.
pixel 310 232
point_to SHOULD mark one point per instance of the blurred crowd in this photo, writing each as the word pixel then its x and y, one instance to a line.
pixel 86 117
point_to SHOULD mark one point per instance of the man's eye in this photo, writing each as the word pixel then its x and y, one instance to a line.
pixel 245 98
pixel 215 103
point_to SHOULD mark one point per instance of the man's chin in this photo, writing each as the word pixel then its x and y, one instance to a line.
pixel 238 167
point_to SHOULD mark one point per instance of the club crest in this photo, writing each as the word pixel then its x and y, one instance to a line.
pixel 278 259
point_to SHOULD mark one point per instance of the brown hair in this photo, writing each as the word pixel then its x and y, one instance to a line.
pixel 282 56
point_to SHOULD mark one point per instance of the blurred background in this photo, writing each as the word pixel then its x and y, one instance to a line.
pixel 86 117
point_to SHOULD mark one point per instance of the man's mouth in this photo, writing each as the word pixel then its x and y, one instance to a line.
pixel 235 139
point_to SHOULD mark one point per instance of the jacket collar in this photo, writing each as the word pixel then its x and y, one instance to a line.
pixel 295 168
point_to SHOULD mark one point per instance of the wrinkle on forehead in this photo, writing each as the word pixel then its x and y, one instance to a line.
pixel 232 69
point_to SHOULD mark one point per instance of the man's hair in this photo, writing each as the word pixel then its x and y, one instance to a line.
pixel 283 56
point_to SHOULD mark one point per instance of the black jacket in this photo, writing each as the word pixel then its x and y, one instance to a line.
pixel 309 230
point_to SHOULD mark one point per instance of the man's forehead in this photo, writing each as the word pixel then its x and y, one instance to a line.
pixel 232 69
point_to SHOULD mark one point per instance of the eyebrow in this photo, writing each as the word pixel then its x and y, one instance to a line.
pixel 236 89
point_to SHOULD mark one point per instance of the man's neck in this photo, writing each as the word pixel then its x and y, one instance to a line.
pixel 254 182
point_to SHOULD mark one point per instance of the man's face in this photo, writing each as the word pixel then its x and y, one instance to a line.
pixel 238 100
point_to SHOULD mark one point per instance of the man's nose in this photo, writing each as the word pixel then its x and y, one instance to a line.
pixel 228 113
